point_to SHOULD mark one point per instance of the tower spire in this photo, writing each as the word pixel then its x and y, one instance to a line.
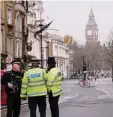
pixel 91 13
pixel 91 29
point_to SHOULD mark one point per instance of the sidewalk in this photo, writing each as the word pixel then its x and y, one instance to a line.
pixel 22 103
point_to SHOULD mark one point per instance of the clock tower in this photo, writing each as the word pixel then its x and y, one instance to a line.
pixel 91 30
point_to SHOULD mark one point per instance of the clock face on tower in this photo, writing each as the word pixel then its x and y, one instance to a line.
pixel 89 32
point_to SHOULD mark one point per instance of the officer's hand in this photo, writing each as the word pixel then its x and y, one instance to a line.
pixel 24 98
pixel 10 85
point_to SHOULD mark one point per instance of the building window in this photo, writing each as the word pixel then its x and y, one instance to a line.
pixel 71 65
pixel 18 22
pixel 10 46
pixel 18 48
pixel 34 16
pixel 40 15
pixel 56 50
pixel 71 57
pixel 1 40
pixel 9 15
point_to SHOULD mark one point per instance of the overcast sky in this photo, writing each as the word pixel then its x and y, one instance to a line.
pixel 71 17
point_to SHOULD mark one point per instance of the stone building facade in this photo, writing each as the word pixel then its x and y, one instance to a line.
pixel 13 29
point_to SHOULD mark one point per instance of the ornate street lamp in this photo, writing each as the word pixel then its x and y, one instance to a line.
pixel 84 68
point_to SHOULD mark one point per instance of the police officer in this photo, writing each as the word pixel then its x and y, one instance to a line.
pixel 53 77
pixel 33 86
pixel 12 82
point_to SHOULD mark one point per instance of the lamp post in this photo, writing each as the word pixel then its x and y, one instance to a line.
pixel 41 48
pixel 83 59
pixel 84 68
pixel 112 72
pixel 47 48
pixel 47 51
pixel 112 59
pixel 40 10
pixel 41 25
pixel 88 65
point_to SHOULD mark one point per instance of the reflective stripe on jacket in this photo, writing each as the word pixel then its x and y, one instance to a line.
pixel 33 83
pixel 54 81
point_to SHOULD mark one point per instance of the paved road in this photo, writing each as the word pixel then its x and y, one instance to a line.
pixel 106 86
pixel 77 101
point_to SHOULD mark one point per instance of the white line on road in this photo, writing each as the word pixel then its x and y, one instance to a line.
pixel 101 81
pixel 69 89
pixel 104 92
pixel 65 98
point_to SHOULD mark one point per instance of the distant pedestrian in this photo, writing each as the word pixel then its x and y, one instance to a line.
pixel 53 81
pixel 12 83
pixel 33 87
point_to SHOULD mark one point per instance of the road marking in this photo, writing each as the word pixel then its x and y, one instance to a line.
pixel 104 92
pixel 70 82
pixel 102 97
pixel 101 81
pixel 64 99
pixel 67 90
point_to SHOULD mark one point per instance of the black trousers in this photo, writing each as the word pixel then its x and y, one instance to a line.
pixel 53 102
pixel 41 102
pixel 13 105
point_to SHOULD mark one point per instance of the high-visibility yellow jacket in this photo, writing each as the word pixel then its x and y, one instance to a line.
pixel 33 83
pixel 54 81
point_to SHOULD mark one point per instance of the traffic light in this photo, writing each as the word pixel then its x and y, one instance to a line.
pixel 84 67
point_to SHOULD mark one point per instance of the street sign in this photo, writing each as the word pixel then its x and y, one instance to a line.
pixel 9 67
pixel 9 60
